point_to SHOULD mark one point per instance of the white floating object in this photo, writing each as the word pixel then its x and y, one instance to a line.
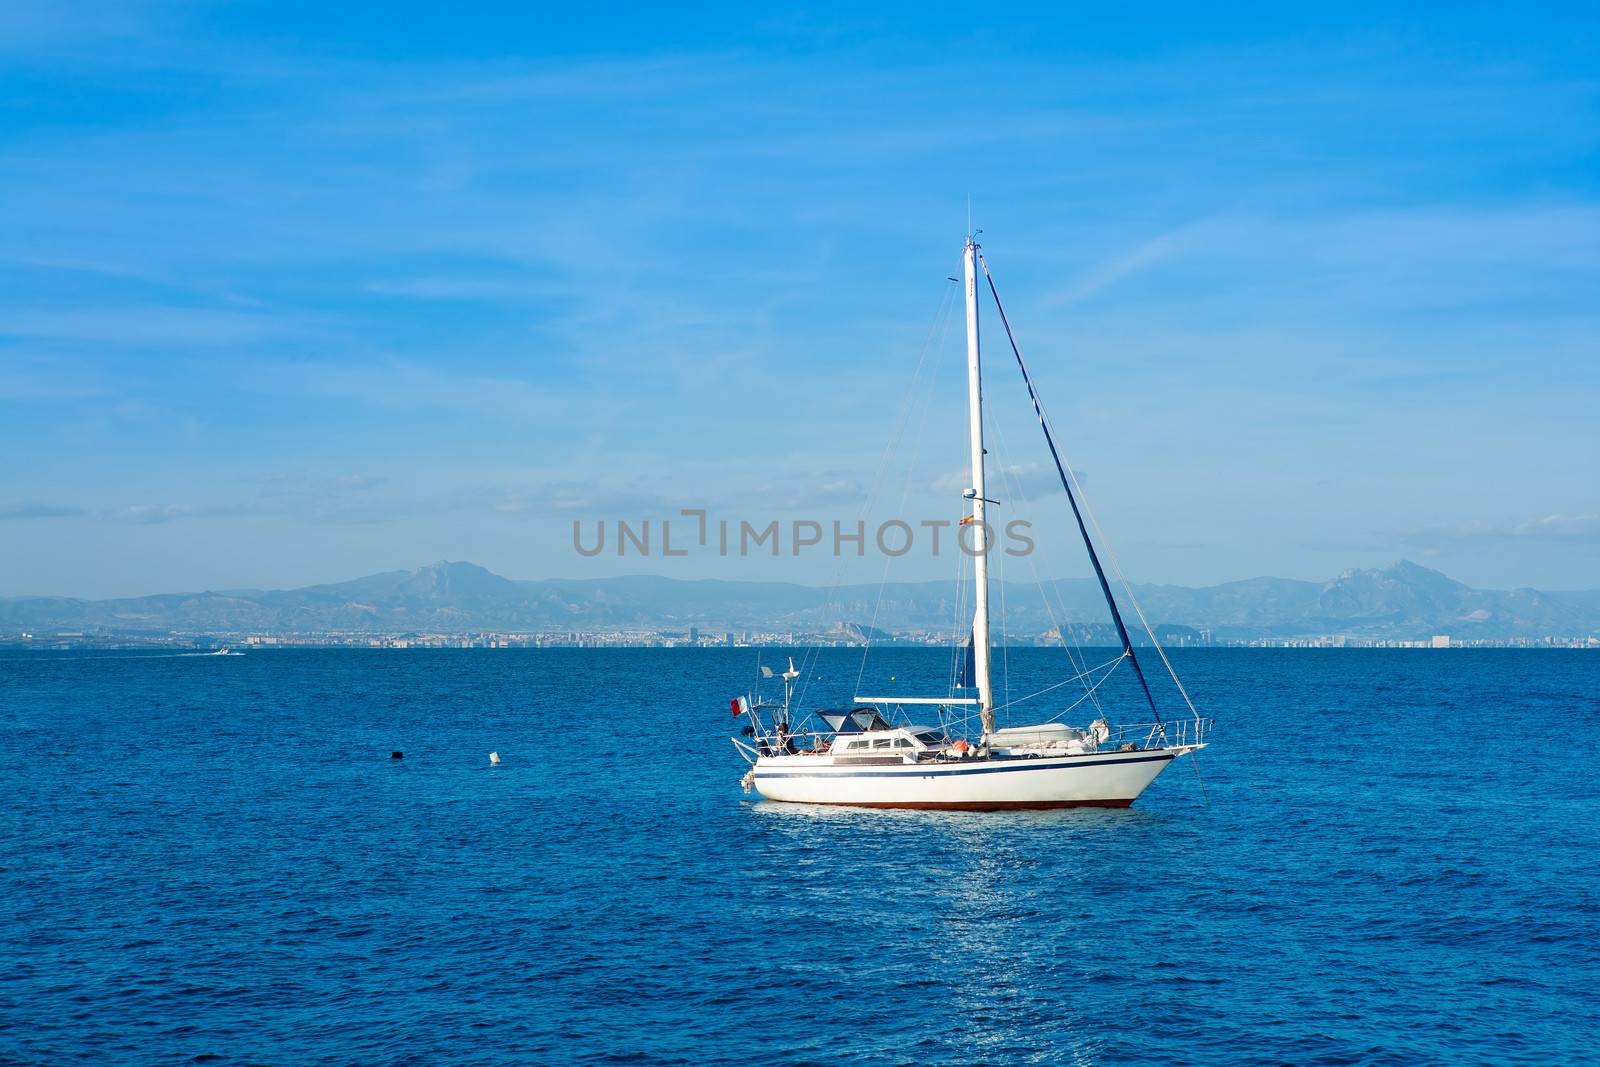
pixel 494 759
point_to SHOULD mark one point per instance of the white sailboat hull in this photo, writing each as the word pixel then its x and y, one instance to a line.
pixel 1107 780
pixel 864 760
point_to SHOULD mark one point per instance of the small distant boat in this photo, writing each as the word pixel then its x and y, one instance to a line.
pixel 873 753
pixel 224 651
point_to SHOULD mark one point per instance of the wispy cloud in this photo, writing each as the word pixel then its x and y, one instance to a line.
pixel 1573 529
pixel 465 288
pixel 410 385
pixel 1136 259
pixel 36 376
pixel 682 265
pixel 142 326
pixel 36 510
pixel 283 484
pixel 605 78
pixel 626 500
pixel 152 514
pixel 360 500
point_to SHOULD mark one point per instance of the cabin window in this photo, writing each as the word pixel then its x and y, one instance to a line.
pixel 857 744
pixel 883 742
pixel 903 742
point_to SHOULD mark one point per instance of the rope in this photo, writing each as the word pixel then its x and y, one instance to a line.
pixel 935 333
pixel 1065 473
pixel 1063 629
pixel 1005 631
pixel 1111 554
pixel 1194 757
pixel 1068 709
pixel 813 655
pixel 1112 663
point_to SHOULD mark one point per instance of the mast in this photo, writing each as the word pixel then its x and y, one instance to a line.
pixel 981 539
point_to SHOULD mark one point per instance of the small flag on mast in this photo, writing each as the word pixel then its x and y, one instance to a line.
pixel 740 706
pixel 965 521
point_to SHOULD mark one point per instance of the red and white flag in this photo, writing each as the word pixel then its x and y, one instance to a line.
pixel 740 706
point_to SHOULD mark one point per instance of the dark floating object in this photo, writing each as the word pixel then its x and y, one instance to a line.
pixel 397 755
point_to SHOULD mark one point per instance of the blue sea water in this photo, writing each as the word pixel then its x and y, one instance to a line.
pixel 215 860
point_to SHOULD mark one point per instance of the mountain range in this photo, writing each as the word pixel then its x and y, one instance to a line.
pixel 1405 601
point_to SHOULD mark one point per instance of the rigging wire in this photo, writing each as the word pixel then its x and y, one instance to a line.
pixel 925 391
pixel 960 586
pixel 1110 667
pixel 1086 696
pixel 1064 629
pixel 1100 533
pixel 1005 631
pixel 812 656
pixel 1194 757
pixel 1067 473
pixel 1111 663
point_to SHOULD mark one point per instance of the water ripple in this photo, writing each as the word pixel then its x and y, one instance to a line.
pixel 214 860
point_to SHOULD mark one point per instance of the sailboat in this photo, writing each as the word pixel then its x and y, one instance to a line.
pixel 875 753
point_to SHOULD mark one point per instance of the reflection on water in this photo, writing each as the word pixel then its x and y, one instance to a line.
pixel 1000 909
pixel 991 822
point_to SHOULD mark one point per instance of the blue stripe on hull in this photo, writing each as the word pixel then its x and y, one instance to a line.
pixel 914 771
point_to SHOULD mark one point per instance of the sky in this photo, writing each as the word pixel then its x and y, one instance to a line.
pixel 293 293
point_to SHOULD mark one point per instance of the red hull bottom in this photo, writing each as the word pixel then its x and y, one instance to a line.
pixel 993 805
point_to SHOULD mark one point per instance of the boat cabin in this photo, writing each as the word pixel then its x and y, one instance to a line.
pixel 896 741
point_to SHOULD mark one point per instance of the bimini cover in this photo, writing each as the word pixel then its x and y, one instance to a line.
pixel 852 720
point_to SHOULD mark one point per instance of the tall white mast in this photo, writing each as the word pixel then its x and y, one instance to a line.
pixel 980 529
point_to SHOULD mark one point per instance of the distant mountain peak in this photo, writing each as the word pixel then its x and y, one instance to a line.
pixel 1406 595
pixel 1404 600
pixel 1404 570
pixel 449 567
pixel 1408 568
pixel 467 579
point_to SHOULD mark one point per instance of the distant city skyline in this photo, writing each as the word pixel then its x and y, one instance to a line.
pixel 289 295
pixel 463 605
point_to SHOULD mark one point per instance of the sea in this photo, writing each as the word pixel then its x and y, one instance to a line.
pixel 1384 857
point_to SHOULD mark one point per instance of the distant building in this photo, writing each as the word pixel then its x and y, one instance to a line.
pixel 1441 641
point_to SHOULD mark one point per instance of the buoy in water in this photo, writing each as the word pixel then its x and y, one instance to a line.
pixel 397 755
pixel 494 759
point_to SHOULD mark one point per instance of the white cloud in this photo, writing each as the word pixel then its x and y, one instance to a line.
pixel 1573 529
pixel 1138 258
pixel 29 509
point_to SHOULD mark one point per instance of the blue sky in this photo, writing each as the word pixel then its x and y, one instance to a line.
pixel 290 294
